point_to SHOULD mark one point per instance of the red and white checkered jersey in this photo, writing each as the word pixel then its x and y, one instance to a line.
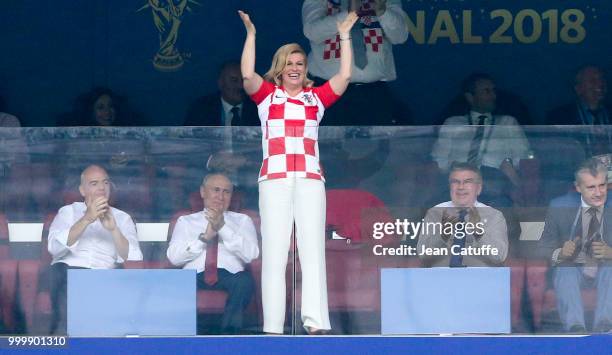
pixel 290 130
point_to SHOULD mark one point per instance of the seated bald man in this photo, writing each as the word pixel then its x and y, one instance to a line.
pixel 88 235
pixel 218 244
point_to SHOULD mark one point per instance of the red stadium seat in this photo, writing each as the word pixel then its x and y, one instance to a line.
pixel 543 299
pixel 536 271
pixel 8 283
pixel 35 299
pixel 4 238
pixel 353 283
pixel 8 277
pixel 352 213
pixel 134 191
pixel 530 194
pixel 211 301
pixel 29 273
pixel 195 202
pixel 517 285
pixel 208 301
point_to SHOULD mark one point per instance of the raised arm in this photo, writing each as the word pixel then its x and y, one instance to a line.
pixel 340 81
pixel 392 20
pixel 318 26
pixel 251 80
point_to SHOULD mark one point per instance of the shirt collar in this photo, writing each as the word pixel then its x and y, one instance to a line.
pixel 228 107
pixel 474 117
pixel 586 108
pixel 204 210
pixel 587 206
pixel 476 204
pixel 80 206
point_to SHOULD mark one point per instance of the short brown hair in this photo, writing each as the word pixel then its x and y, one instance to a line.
pixel 461 166
pixel 591 166
pixel 216 173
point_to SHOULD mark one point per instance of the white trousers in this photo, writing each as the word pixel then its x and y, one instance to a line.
pixel 281 202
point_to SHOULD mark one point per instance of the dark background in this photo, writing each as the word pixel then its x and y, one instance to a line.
pixel 51 51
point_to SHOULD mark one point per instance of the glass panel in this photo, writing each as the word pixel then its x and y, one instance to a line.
pixel 381 184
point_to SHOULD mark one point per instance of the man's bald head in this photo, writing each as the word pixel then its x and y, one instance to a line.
pixel 94 183
pixel 91 169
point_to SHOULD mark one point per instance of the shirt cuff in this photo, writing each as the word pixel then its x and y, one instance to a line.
pixel 134 254
pixel 197 246
pixel 555 256
pixel 62 238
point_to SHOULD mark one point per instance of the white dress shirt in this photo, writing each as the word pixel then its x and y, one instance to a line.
pixel 237 242
pixel 227 112
pixel 501 139
pixel 95 249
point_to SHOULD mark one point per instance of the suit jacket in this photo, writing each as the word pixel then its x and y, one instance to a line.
pixel 208 111
pixel 495 235
pixel 595 140
pixel 559 223
pixel 568 115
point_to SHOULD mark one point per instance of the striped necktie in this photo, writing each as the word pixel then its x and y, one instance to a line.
pixel 457 260
pixel 473 155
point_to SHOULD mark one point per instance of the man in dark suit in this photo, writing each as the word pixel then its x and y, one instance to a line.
pixel 589 109
pixel 577 237
pixel 228 106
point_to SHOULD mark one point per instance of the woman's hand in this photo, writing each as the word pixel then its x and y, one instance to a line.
pixel 248 24
pixel 340 81
pixel 251 81
pixel 344 27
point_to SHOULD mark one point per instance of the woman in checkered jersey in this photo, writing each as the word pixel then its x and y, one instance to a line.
pixel 291 183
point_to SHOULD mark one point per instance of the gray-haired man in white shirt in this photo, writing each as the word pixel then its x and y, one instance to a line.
pixel 218 243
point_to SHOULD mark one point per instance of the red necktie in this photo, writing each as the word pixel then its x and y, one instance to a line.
pixel 210 265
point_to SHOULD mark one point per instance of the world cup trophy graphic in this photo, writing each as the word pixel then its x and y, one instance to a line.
pixel 167 16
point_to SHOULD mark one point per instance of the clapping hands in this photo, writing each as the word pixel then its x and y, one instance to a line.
pixel 98 208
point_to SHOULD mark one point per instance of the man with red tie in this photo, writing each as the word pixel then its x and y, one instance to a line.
pixel 218 244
